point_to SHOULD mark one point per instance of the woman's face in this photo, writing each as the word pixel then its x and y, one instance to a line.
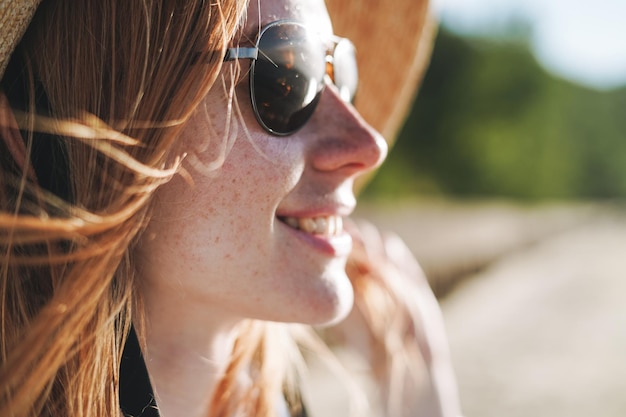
pixel 240 241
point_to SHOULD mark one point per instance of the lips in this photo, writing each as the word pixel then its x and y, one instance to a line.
pixel 321 225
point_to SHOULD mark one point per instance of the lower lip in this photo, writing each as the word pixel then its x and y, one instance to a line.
pixel 337 245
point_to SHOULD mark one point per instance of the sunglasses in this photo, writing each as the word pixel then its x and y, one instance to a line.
pixel 290 68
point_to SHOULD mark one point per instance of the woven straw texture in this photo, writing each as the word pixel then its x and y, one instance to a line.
pixel 15 15
pixel 393 41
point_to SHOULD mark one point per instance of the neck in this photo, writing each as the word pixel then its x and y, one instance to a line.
pixel 187 353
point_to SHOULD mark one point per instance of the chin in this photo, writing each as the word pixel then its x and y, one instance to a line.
pixel 330 303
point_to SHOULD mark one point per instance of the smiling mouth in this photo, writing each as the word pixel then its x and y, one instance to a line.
pixel 321 226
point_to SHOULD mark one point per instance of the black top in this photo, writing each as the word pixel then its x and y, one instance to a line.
pixel 136 396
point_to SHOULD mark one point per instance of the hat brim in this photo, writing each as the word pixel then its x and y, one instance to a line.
pixel 14 19
pixel 393 42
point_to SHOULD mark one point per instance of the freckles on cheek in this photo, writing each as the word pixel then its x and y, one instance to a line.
pixel 268 160
pixel 221 217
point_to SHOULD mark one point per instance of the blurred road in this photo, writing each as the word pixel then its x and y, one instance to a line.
pixel 534 300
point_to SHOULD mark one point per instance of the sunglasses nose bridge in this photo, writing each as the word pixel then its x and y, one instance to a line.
pixel 344 92
pixel 291 66
pixel 341 68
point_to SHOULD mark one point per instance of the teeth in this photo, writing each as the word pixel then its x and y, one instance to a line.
pixel 331 225
pixel 338 225
pixel 321 225
pixel 308 225
pixel 292 221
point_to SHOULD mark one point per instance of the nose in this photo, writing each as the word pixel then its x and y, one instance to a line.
pixel 344 141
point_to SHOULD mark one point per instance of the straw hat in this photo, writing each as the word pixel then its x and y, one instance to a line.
pixel 15 15
pixel 393 41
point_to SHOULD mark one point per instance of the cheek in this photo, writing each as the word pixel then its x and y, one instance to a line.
pixel 231 145
pixel 261 167
pixel 206 143
pixel 230 205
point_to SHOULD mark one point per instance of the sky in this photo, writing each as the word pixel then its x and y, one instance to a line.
pixel 581 40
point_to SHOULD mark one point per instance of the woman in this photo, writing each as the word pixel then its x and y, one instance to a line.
pixel 175 177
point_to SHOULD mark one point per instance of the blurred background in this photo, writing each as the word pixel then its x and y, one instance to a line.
pixel 508 182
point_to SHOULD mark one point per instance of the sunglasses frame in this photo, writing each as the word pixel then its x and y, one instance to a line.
pixel 252 53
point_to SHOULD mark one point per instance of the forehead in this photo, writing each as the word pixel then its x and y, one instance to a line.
pixel 312 13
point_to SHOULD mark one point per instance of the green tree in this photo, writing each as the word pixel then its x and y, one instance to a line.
pixel 490 121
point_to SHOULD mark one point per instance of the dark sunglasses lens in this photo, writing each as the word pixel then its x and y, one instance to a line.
pixel 345 73
pixel 287 77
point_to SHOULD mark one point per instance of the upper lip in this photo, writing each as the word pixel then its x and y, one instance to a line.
pixel 342 210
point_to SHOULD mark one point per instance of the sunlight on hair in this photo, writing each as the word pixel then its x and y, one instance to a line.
pixel 87 127
pixel 320 356
pixel 230 130
pixel 94 132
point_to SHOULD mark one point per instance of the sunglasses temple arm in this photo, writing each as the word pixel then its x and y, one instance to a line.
pixel 233 54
